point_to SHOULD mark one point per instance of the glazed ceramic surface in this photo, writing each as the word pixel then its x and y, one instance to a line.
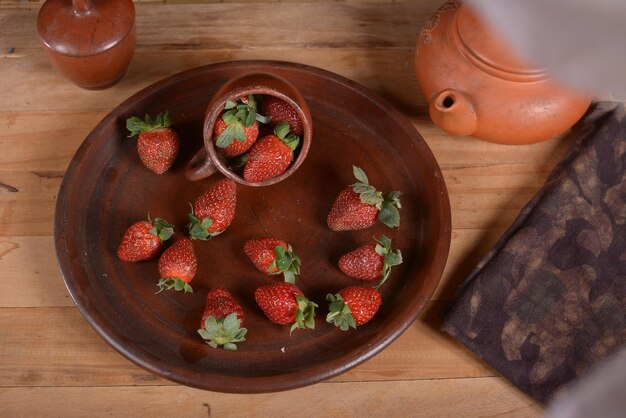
pixel 90 42
pixel 106 188
pixel 477 86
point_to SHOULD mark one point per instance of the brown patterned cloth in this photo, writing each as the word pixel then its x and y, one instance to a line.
pixel 549 301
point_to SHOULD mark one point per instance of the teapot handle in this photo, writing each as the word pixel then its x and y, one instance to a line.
pixel 453 112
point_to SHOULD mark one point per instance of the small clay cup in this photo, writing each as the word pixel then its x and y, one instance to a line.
pixel 208 161
pixel 89 42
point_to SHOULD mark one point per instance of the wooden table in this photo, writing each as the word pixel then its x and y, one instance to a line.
pixel 52 363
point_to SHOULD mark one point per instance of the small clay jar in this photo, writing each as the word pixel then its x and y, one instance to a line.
pixel 90 42
pixel 477 86
pixel 208 161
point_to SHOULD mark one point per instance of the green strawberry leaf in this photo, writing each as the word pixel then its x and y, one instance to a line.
pixel 305 316
pixel 288 262
pixel 263 119
pixel 393 258
pixel 229 105
pixel 199 229
pixel 173 283
pixel 233 131
pixel 389 215
pixel 373 198
pixel 289 276
pixel 242 115
pixel 292 141
pixel 393 198
pixel 250 118
pixel 279 251
pixel 281 130
pixel 339 313
pixel 223 332
pixel 229 117
pixel 136 126
pixel 360 174
pixel 162 229
pixel 361 188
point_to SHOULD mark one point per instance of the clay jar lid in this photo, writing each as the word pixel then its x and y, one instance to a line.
pixel 484 49
pixel 84 27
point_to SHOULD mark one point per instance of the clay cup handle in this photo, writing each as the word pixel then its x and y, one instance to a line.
pixel 200 166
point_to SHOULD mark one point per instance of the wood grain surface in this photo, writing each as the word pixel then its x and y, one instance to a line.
pixel 53 364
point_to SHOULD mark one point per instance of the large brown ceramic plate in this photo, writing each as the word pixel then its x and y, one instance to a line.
pixel 106 189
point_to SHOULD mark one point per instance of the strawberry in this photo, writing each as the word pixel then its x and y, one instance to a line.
pixel 178 266
pixel 281 111
pixel 271 155
pixel 352 306
pixel 157 144
pixel 371 261
pixel 142 240
pixel 214 210
pixel 222 320
pixel 238 127
pixel 273 256
pixel 283 303
pixel 358 206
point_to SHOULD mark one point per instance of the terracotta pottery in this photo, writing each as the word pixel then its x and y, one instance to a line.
pixel 477 86
pixel 106 188
pixel 90 42
pixel 208 161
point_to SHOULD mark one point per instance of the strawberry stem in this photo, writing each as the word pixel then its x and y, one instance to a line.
pixel 282 132
pixel 390 257
pixel 305 315
pixel 287 262
pixel 161 228
pixel 223 331
pixel 136 126
pixel 339 314
pixel 174 283
pixel 199 228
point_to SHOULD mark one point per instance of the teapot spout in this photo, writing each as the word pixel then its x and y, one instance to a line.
pixel 453 112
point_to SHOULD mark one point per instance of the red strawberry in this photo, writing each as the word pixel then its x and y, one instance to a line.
pixel 143 239
pixel 222 320
pixel 273 256
pixel 237 128
pixel 271 155
pixel 353 306
pixel 281 111
pixel 178 266
pixel 283 303
pixel 371 261
pixel 213 210
pixel 358 206
pixel 157 144
pixel 236 146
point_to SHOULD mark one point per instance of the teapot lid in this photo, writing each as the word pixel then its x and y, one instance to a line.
pixel 84 27
pixel 485 49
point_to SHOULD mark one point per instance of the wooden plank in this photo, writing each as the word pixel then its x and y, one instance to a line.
pixel 219 26
pixel 21 4
pixel 430 398
pixel 27 202
pixel 32 275
pixel 42 141
pixel 46 141
pixel 29 82
pixel 68 352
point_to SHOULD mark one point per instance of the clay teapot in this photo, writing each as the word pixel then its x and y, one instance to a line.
pixel 477 86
